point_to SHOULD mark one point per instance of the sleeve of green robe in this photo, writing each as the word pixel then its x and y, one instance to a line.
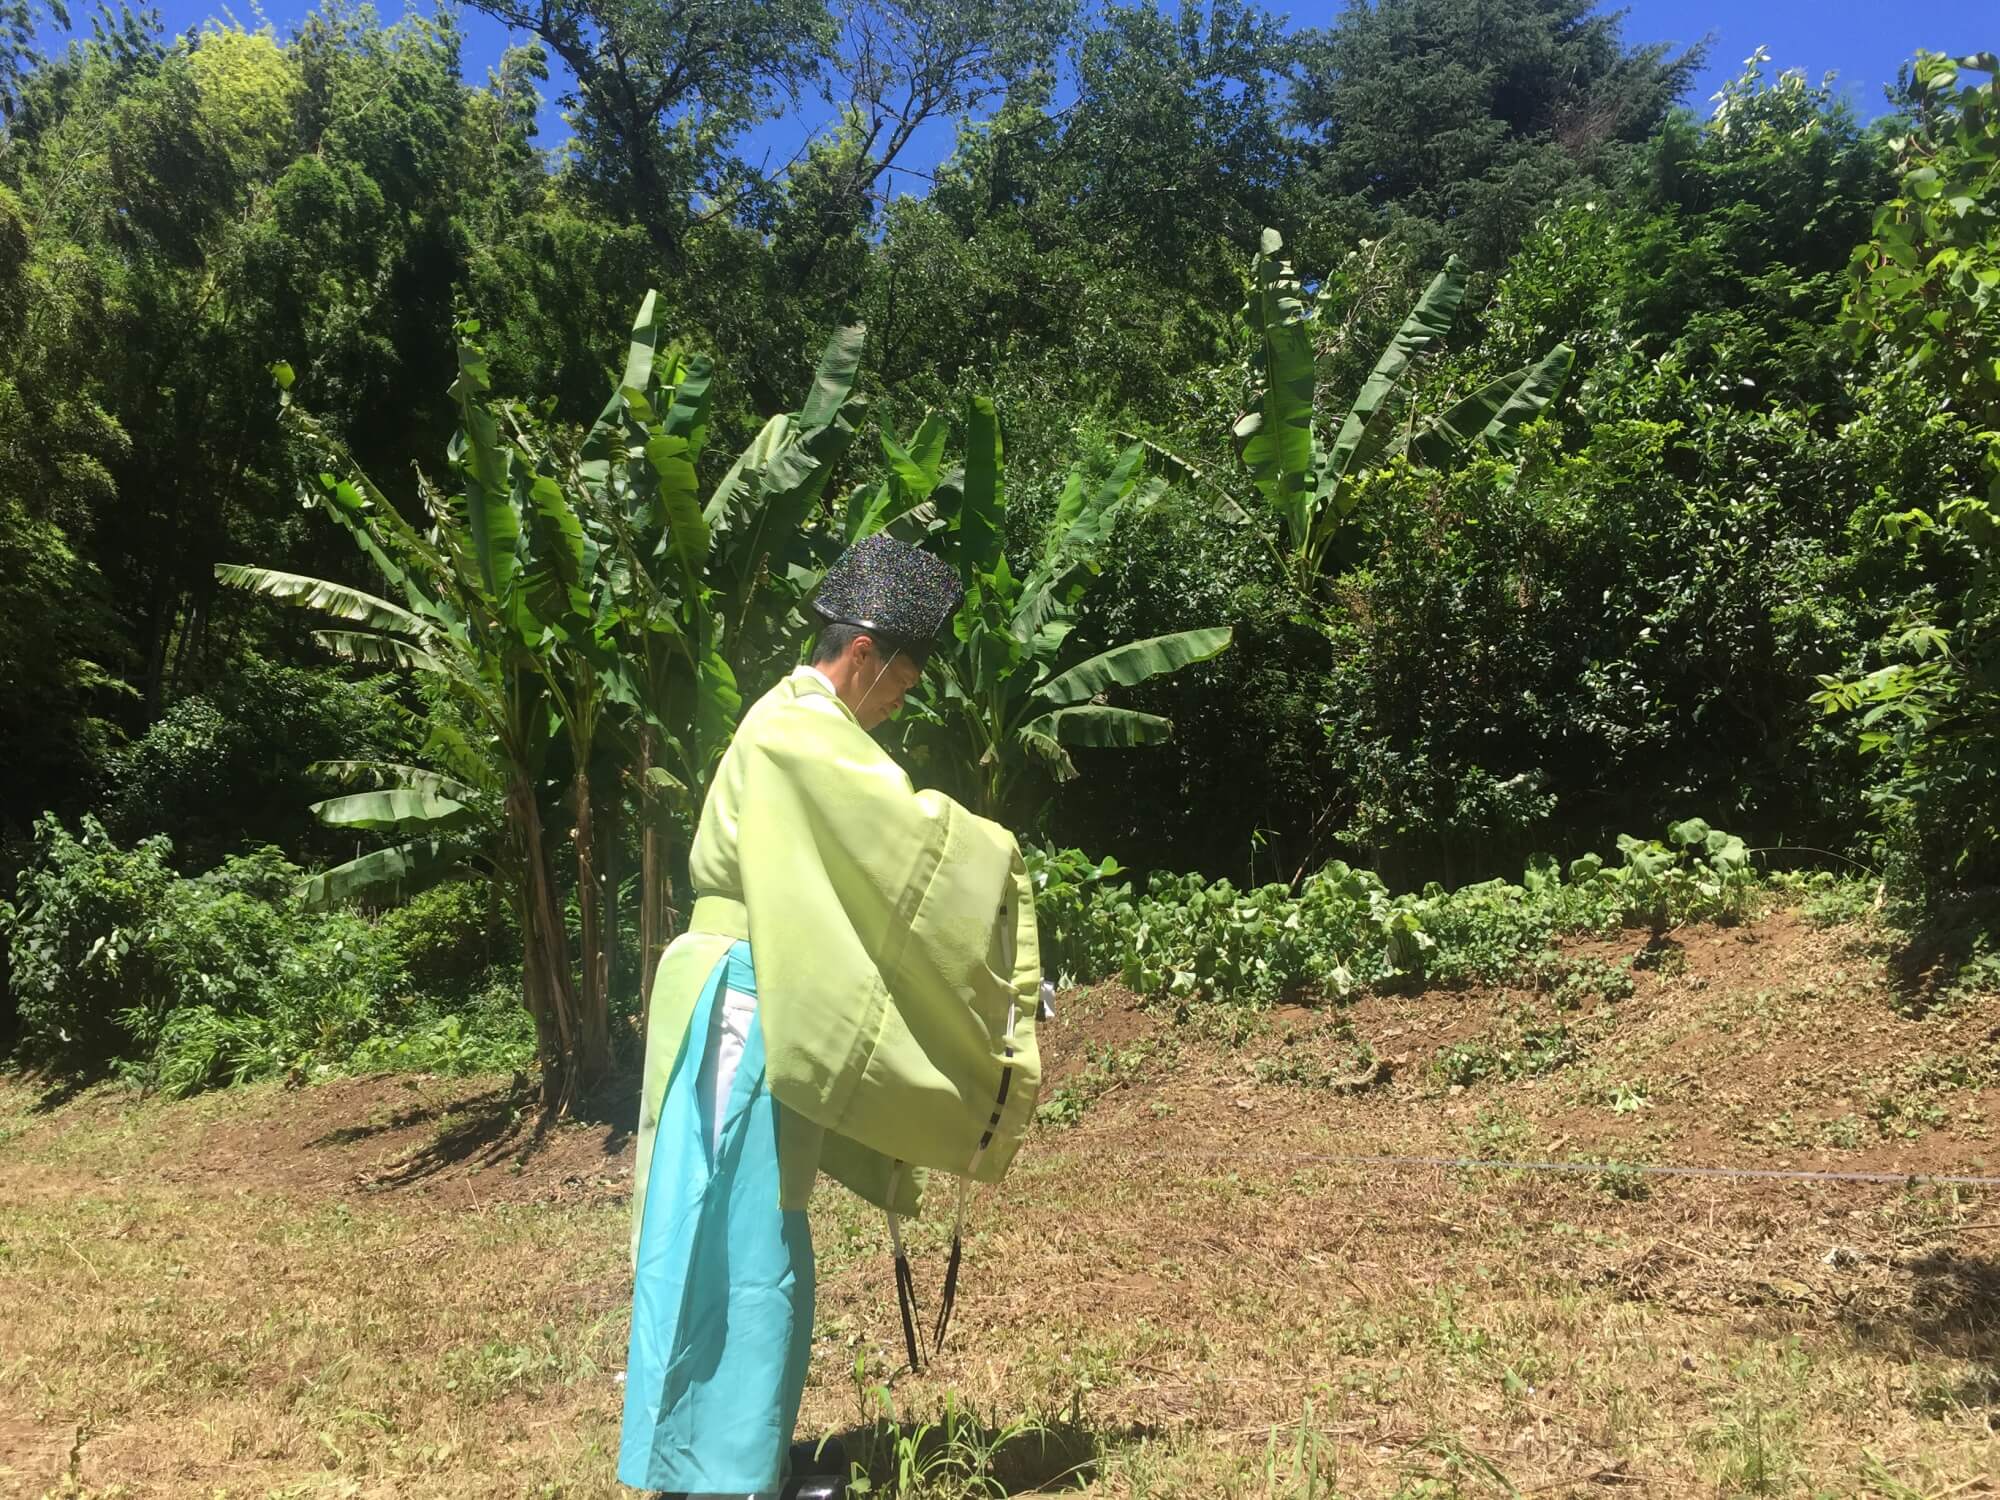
pixel 897 961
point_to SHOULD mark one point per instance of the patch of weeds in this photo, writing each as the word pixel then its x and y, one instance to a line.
pixel 1664 957
pixel 1908 1103
pixel 1623 1181
pixel 1834 901
pixel 1227 1025
pixel 1752 1447
pixel 1306 1464
pixel 1783 1132
pixel 1499 1133
pixel 1454 1463
pixel 1305 1070
pixel 957 1453
pixel 1535 1051
pixel 495 1367
pixel 1063 1108
pixel 1573 983
pixel 1453 1337
pixel 1106 1069
pixel 1628 1098
pixel 1940 1394
pixel 1924 1209
pixel 1842 1134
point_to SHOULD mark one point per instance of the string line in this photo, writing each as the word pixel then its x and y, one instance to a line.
pixel 1765 1174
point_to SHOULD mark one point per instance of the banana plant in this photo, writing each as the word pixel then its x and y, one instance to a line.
pixel 1312 486
pixel 1004 711
pixel 704 594
pixel 766 514
pixel 484 590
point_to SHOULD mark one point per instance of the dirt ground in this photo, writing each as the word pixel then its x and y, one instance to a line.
pixel 1189 1286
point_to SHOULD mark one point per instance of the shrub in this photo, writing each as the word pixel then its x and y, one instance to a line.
pixel 230 765
pixel 491 1033
pixel 79 941
pixel 183 983
pixel 449 936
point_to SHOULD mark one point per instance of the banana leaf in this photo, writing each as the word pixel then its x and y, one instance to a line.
pixel 980 518
pixel 335 599
pixel 833 380
pixel 1275 442
pixel 380 650
pixel 678 517
pixel 490 514
pixel 391 807
pixel 382 772
pixel 1544 382
pixel 1426 324
pixel 410 868
pixel 1134 662
pixel 687 412
pixel 1101 726
pixel 602 440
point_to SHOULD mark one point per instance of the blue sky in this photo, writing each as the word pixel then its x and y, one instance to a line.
pixel 1862 41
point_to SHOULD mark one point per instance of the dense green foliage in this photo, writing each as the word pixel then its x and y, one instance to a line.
pixel 1187 939
pixel 1557 461
pixel 185 982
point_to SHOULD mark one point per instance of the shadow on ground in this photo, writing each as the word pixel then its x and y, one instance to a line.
pixel 501 1124
pixel 1949 948
pixel 1950 1302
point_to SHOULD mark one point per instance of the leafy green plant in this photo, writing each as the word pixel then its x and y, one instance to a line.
pixel 1697 873
pixel 1007 707
pixel 450 935
pixel 1192 940
pixel 954 1454
pixel 1535 1050
pixel 573 588
pixel 1925 297
pixel 489 1033
pixel 79 941
pixel 182 983
pixel 1078 912
pixel 1312 487
pixel 1573 983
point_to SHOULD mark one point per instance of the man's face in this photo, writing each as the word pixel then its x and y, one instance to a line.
pixel 886 675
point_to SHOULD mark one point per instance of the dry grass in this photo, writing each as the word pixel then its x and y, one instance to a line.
pixel 390 1288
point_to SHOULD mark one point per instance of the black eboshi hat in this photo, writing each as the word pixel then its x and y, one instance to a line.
pixel 890 588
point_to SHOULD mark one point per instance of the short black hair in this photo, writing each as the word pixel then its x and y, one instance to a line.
pixel 837 635
pixel 834 639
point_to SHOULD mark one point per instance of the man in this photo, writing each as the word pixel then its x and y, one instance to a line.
pixel 855 995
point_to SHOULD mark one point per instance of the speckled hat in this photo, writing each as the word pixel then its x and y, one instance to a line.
pixel 892 589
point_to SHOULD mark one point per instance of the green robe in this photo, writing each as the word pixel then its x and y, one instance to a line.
pixel 896 958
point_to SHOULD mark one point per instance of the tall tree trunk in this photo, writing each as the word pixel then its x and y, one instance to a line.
pixel 160 619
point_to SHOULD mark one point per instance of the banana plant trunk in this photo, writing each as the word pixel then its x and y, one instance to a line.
pixel 656 917
pixel 593 1059
pixel 545 977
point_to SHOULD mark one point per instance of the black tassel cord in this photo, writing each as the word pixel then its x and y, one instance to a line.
pixel 906 1287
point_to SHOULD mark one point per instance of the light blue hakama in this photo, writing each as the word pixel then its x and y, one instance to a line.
pixel 722 1303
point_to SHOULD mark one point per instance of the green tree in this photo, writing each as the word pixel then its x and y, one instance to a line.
pixel 576 603
pixel 1926 298
pixel 1454 123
